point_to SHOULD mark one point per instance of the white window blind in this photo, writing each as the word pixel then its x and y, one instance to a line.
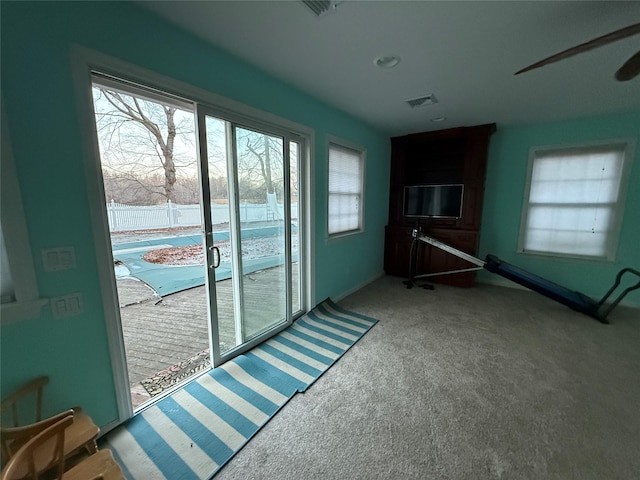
pixel 574 201
pixel 346 168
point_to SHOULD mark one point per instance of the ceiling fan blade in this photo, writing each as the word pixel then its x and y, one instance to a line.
pixel 585 47
pixel 630 69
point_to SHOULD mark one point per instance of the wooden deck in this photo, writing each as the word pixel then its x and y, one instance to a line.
pixel 159 333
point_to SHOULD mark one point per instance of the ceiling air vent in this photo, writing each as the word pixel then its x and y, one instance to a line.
pixel 422 101
pixel 320 7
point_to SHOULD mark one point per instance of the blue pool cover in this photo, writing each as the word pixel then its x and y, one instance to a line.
pixel 168 279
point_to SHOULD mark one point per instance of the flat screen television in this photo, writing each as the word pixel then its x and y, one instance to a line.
pixel 435 201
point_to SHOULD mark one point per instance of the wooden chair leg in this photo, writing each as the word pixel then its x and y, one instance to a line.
pixel 92 447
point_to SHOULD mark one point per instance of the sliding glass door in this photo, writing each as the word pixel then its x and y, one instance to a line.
pixel 248 175
pixel 202 209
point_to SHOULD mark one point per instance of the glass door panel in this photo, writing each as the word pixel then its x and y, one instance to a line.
pixel 296 247
pixel 155 233
pixel 221 284
pixel 263 233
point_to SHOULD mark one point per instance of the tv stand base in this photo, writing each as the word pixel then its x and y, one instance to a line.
pixel 410 284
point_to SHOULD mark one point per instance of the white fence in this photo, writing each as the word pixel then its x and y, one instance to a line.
pixel 170 215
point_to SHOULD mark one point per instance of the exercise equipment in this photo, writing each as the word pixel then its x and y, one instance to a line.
pixel 571 298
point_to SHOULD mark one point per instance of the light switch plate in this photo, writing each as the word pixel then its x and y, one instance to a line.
pixel 61 258
pixel 67 305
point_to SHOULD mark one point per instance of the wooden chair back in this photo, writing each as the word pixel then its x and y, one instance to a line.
pixel 43 452
pixel 22 420
pixel 32 393
pixel 13 438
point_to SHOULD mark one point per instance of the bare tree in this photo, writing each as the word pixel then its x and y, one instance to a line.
pixel 131 191
pixel 260 165
pixel 149 155
pixel 138 137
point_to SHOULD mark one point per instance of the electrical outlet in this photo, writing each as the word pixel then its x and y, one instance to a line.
pixel 67 305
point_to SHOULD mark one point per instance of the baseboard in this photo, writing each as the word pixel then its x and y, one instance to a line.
pixel 358 287
pixel 500 282
pixel 108 427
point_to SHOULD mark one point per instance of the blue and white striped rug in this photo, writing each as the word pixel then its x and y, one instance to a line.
pixel 192 433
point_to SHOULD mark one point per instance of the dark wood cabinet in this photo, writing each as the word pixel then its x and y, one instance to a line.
pixel 453 156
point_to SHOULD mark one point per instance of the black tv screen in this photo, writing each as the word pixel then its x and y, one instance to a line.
pixel 441 201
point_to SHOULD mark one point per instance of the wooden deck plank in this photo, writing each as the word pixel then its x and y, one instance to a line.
pixel 159 334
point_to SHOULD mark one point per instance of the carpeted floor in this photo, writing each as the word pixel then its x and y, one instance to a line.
pixel 480 383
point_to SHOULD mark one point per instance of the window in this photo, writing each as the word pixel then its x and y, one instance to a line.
pixel 574 203
pixel 346 174
pixel 19 299
pixel 7 293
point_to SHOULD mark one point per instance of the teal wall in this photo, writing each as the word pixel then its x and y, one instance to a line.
pixel 504 195
pixel 39 98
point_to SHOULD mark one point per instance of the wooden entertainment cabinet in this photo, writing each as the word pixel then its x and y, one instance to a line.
pixel 453 156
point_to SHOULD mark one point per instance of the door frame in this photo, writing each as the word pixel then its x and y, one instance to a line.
pixel 84 62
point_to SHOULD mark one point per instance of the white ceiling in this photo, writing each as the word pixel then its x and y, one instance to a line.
pixel 465 53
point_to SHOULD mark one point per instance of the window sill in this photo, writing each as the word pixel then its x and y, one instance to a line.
pixel 337 237
pixel 19 311
pixel 566 256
